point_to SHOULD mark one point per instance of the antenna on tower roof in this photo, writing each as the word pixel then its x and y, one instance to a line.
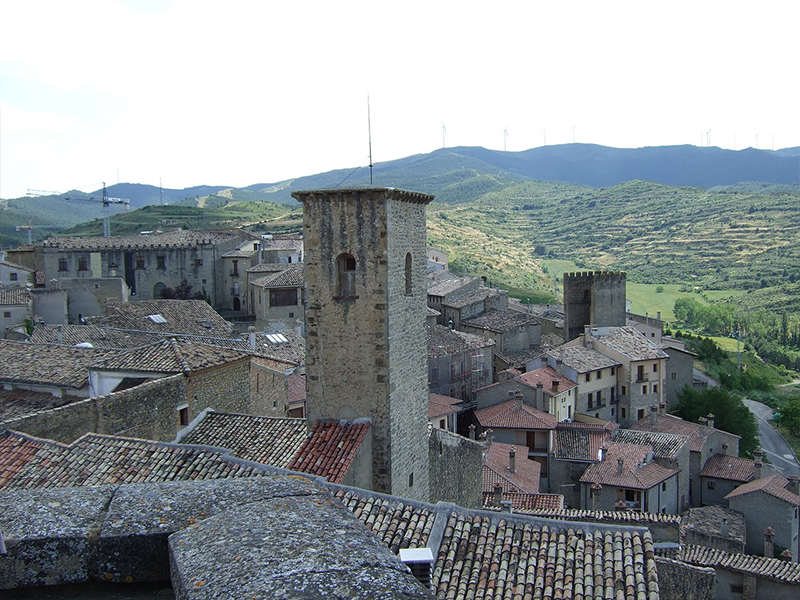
pixel 505 137
pixel 444 133
pixel 369 132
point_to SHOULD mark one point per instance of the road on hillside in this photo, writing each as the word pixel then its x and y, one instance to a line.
pixel 772 442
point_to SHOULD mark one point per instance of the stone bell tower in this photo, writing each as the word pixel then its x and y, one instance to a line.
pixel 366 348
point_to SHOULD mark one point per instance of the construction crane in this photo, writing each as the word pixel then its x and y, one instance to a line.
pixel 29 227
pixel 106 200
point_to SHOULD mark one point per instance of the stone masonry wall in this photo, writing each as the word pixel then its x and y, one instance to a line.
pixel 269 395
pixel 593 298
pixel 456 469
pixel 225 389
pixel 680 581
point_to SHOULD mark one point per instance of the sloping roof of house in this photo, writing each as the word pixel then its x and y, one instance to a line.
pixel 617 517
pixel 561 562
pixel 708 520
pixel 398 523
pixel 547 376
pixel 194 317
pixel 478 295
pixel 292 350
pixel 527 502
pixel 524 479
pixel 296 387
pixel 95 459
pixel 774 485
pixel 330 449
pixel 580 441
pixel 19 402
pixel 288 241
pixel 293 276
pixel 168 356
pixel 734 468
pixel 13 265
pixel 443 341
pixel 17 296
pixel 630 342
pixel 99 337
pixel 671 424
pixel 37 364
pixel 664 445
pixel 582 359
pixel 439 406
pixel 772 568
pixel 636 472
pixel 447 287
pixel 506 415
pixel 501 321
pixel 172 239
pixel 271 441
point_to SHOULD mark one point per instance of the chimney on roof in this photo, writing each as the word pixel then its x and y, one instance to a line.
pixel 472 431
pixel 555 385
pixel 420 561
pixel 450 323
pixel 725 448
pixel 658 315
pixel 723 530
pixel 662 408
pixel 653 414
pixel 620 463
pixel 595 492
pixel 512 460
pixel 787 555
pixel 757 469
pixel 769 542
pixel 498 494
pixel 251 335
pixel 710 418
pixel 60 334
pixel 559 365
pixel 507 506
pixel 794 484
pixel 758 454
pixel 518 400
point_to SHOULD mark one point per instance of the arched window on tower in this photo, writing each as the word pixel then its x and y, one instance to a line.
pixel 346 269
pixel 409 286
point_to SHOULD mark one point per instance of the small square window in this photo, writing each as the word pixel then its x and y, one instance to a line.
pixel 644 389
pixel 13 276
pixel 62 264
pixel 183 416
pixel 161 262
pixel 674 375
pixel 711 485
pixel 655 368
pixel 7 314
pixel 600 374
pixel 664 486
pixel 198 262
pixel 140 262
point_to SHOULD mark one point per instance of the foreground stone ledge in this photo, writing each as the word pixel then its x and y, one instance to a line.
pixel 116 533
pixel 289 548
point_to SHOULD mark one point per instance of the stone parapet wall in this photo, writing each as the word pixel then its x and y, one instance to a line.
pixel 456 469
pixel 679 581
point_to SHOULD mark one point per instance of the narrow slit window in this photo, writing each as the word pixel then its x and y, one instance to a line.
pixel 409 286
pixel 346 266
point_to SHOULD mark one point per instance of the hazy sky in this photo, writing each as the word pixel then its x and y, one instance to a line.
pixel 241 92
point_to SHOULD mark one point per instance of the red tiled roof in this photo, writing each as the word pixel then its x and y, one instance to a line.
pixel 297 388
pixel 439 406
pixel 330 449
pixel 194 317
pixel 507 416
pixel 546 375
pixel 774 485
pixel 39 364
pixel 672 424
pixel 722 466
pixel 527 501
pixel 636 472
pixel 524 479
pixel 169 356
pixel 580 441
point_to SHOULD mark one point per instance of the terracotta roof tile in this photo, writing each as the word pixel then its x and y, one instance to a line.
pixel 675 425
pixel 398 523
pixel 168 356
pixel 708 520
pixel 501 320
pixel 20 402
pixel 194 317
pixel 330 449
pixel 268 440
pixel 506 415
pixel 520 501
pixel 37 364
pixel 439 406
pixel 664 445
pixel 96 459
pixel 722 466
pixel 524 479
pixel 14 296
pixel 580 443
pixel 479 295
pixel 629 342
pixel 173 239
pixel 547 376
pixel 617 517
pixel 774 485
pixel 294 276
pixel 443 341
pixel 495 557
pixel 772 568
pixel 636 472
pixel 297 387
pixel 582 359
